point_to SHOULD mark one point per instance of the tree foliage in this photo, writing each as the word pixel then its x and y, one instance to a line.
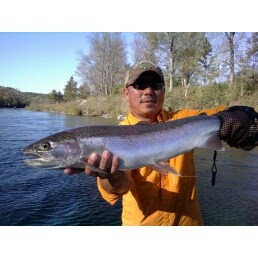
pixel 144 47
pixel 182 55
pixel 70 90
pixel 186 58
pixel 196 58
pixel 10 97
pixel 105 65
pixel 55 96
pixel 247 75
pixel 84 91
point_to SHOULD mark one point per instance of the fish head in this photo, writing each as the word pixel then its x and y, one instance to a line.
pixel 59 150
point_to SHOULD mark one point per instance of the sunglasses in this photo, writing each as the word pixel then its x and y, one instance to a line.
pixel 144 85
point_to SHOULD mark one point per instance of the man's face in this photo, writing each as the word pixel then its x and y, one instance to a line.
pixel 146 97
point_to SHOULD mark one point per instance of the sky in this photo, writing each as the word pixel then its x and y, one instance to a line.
pixel 40 62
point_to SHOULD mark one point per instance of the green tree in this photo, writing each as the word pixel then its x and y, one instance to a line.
pixel 193 48
pixel 182 55
pixel 252 56
pixel 247 76
pixel 60 96
pixel 84 91
pixel 231 44
pixel 145 46
pixel 206 63
pixel 52 96
pixel 10 97
pixel 166 46
pixel 70 90
pixel 55 96
pixel 159 48
pixel 105 65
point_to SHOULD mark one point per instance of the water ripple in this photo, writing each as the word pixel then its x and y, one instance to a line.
pixel 49 197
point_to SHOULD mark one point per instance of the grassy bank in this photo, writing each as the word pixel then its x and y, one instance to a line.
pixel 211 96
pixel 105 106
pixel 115 105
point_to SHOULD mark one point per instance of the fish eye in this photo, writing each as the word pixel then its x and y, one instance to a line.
pixel 45 146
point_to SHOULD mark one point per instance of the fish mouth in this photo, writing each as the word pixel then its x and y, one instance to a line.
pixel 42 161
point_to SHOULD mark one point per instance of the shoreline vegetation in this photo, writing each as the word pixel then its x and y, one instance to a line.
pixel 201 70
pixel 115 106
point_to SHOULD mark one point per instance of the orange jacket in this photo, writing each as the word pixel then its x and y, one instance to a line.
pixel 156 199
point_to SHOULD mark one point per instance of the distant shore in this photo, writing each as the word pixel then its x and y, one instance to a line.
pixel 115 106
pixel 111 106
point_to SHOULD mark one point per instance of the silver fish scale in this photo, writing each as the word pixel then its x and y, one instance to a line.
pixel 136 146
pixel 138 129
pixel 153 143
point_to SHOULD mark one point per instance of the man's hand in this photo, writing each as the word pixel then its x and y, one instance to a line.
pixel 239 127
pixel 105 162
pixel 113 180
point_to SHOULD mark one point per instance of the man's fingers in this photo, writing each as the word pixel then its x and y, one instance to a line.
pixel 94 161
pixel 115 164
pixel 105 161
pixel 72 171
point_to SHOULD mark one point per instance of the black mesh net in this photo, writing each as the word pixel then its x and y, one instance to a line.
pixel 239 127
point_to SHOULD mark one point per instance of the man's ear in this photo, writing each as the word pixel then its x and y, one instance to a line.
pixel 126 93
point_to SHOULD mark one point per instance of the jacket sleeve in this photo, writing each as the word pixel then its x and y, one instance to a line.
pixel 195 112
pixel 213 110
pixel 110 198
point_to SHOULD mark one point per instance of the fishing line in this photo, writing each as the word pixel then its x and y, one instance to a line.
pixel 213 170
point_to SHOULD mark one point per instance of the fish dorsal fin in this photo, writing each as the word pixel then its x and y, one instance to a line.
pixel 213 143
pixel 164 168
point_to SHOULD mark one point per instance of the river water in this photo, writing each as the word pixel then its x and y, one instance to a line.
pixel 49 197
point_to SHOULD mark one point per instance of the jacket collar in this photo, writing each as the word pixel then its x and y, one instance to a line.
pixel 162 117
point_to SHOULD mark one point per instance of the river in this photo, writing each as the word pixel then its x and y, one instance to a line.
pixel 49 197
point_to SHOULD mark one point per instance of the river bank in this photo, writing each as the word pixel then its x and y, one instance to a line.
pixel 116 106
pixel 101 106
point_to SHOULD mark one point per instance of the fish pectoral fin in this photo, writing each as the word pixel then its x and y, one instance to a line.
pixel 213 143
pixel 96 169
pixel 82 164
pixel 164 169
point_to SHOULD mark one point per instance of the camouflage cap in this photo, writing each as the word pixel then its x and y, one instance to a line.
pixel 143 66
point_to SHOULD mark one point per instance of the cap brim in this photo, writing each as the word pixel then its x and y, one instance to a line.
pixel 139 72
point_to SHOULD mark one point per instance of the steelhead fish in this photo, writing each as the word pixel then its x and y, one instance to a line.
pixel 136 145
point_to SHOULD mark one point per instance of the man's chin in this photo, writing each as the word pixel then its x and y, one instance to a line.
pixel 150 109
pixel 149 105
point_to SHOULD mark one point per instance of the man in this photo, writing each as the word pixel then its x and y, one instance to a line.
pixel 148 197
